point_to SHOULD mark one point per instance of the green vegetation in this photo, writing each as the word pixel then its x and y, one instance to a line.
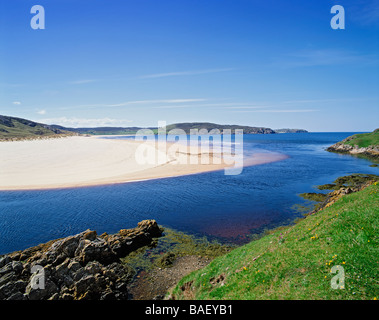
pixel 163 252
pixel 295 262
pixel 354 180
pixel 364 145
pixel 364 140
pixel 318 197
pixel 17 129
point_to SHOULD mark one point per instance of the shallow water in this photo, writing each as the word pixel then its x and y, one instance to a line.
pixel 229 208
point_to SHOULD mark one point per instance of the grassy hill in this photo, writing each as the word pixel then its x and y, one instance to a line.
pixel 295 262
pixel 12 128
pixel 364 140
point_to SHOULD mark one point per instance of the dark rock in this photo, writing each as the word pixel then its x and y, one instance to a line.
pixel 96 250
pixel 8 277
pixel 108 295
pixel 17 266
pixel 67 296
pixel 83 266
pixel 90 235
pixel 93 267
pixel 7 268
pixel 84 285
pixel 4 260
pixel 17 296
pixel 40 294
pixel 74 266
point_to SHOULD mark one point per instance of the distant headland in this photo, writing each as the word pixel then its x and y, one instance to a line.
pixel 12 128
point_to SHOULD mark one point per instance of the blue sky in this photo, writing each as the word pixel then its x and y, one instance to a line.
pixel 275 64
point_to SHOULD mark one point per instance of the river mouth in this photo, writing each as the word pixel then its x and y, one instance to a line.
pixel 228 208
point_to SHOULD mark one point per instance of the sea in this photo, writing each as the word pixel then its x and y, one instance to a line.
pixel 227 208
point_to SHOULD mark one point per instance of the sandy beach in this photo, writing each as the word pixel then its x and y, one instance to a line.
pixel 88 161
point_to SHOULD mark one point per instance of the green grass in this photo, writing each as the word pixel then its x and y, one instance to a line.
pixel 365 140
pixel 16 128
pixel 295 262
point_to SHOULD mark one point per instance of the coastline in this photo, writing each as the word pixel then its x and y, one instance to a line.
pixel 80 161
pixel 370 153
pixel 361 145
pixel 102 267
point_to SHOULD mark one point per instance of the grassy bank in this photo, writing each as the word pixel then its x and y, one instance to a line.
pixel 295 262
pixel 365 145
pixel 364 140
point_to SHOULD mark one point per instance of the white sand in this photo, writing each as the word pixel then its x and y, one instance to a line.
pixel 87 161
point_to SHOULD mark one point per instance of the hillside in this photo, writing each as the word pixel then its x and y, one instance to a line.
pixel 209 126
pixel 366 144
pixel 183 126
pixel 17 128
pixel 103 130
pixel 296 262
pixel 12 128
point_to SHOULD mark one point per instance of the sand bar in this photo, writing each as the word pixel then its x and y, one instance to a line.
pixel 88 161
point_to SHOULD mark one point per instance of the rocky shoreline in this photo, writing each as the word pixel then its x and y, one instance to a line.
pixel 341 186
pixel 83 266
pixel 371 152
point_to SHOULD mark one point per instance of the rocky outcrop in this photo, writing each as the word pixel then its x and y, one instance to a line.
pixel 83 266
pixel 372 151
pixel 343 147
pixel 335 195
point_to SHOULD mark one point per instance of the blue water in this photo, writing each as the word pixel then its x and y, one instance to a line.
pixel 229 208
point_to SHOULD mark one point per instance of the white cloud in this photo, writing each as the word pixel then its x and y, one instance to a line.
pixel 84 81
pixel 41 112
pixel 86 122
pixel 17 103
pixel 135 102
pixel 154 102
pixel 213 105
pixel 281 110
pixel 325 57
pixel 184 73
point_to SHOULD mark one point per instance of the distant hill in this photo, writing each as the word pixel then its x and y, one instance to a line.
pixel 290 131
pixel 12 128
pixel 209 126
pixel 104 130
pixel 183 126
